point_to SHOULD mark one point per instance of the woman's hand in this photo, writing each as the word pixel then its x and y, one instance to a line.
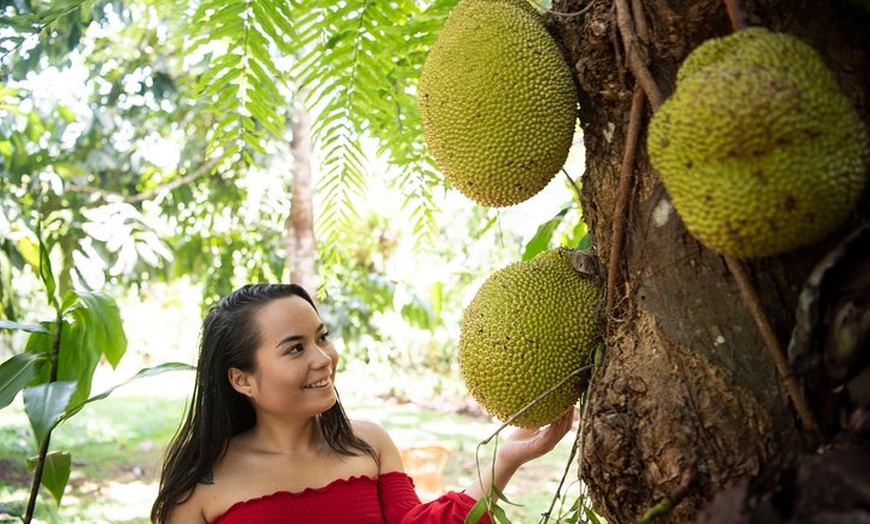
pixel 520 447
pixel 526 444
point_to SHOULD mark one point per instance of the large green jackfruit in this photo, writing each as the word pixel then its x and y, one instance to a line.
pixel 498 103
pixel 758 147
pixel 530 325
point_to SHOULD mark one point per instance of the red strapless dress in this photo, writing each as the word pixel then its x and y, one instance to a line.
pixel 388 499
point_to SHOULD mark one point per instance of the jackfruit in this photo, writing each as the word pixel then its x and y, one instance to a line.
pixel 497 100
pixel 528 327
pixel 759 149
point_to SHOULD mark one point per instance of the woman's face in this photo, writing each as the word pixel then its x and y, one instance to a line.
pixel 295 363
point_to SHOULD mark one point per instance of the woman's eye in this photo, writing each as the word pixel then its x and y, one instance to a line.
pixel 295 348
pixel 324 335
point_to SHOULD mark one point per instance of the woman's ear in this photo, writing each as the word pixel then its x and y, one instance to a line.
pixel 240 381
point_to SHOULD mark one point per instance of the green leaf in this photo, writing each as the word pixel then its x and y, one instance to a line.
pixel 578 236
pixel 500 515
pixel 436 297
pixel 477 511
pixel 502 496
pixel 591 516
pixel 44 405
pixel 29 251
pixel 78 355
pixel 143 373
pixel 18 326
pixel 15 373
pixel 40 341
pixel 45 271
pixel 56 473
pixel 104 325
pixel 544 235
pixel 585 242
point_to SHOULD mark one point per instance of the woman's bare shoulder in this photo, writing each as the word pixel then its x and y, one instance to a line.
pixel 378 438
pixel 213 495
pixel 192 510
pixel 370 431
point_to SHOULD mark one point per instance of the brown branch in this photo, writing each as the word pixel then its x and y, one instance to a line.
pixel 108 196
pixel 636 55
pixel 773 346
pixel 617 49
pixel 639 18
pixel 623 194
pixel 736 14
pixel 568 15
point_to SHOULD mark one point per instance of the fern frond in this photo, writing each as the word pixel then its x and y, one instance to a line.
pixel 361 61
pixel 242 41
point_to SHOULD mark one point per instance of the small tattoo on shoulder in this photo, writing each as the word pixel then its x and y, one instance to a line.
pixel 208 478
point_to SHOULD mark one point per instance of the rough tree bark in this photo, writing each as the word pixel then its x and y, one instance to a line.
pixel 687 401
pixel 299 226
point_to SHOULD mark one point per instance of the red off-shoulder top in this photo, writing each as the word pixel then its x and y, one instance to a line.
pixel 388 499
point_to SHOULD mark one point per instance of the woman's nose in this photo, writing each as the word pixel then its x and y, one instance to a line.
pixel 322 358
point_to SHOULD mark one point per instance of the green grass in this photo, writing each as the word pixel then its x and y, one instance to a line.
pixel 117 444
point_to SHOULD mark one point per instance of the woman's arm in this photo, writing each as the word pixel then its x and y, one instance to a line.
pixel 520 447
pixel 188 512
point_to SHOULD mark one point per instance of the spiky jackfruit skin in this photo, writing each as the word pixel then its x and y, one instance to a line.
pixel 528 327
pixel 758 148
pixel 498 103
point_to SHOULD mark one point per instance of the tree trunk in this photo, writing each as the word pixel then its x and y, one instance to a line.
pixel 301 246
pixel 688 400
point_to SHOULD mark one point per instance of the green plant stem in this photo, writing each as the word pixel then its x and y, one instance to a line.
pixel 664 507
pixel 660 509
pixel 516 415
pixel 573 184
pixel 574 448
pixel 39 469
pixel 37 477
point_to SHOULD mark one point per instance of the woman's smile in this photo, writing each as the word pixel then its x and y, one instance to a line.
pixel 322 383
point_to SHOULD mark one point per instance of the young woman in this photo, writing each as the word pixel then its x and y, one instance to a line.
pixel 265 439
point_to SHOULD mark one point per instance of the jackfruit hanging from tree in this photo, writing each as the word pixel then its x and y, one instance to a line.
pixel 759 149
pixel 498 103
pixel 531 324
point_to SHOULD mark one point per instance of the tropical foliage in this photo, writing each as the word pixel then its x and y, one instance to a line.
pixel 171 160
pixel 217 81
pixel 145 140
pixel 55 371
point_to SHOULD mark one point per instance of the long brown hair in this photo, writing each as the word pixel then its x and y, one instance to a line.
pixel 217 412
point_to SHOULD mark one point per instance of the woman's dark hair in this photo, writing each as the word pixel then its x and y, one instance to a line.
pixel 217 412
